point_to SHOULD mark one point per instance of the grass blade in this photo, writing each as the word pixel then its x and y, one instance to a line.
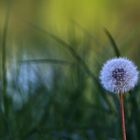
pixel 4 99
pixel 52 61
pixel 4 69
pixel 113 43
pixel 71 50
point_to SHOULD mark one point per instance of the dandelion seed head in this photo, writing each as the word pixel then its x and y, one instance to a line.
pixel 119 75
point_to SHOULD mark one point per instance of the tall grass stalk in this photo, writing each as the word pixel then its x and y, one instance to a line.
pixel 4 68
pixel 5 103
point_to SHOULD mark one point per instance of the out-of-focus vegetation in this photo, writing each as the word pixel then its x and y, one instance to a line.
pixel 51 55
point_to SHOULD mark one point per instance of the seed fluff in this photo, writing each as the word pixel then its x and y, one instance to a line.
pixel 119 75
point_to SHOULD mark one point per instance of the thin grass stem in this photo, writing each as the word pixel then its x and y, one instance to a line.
pixel 113 43
pixel 122 116
pixel 4 69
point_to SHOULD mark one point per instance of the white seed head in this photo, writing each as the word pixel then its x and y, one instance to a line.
pixel 119 75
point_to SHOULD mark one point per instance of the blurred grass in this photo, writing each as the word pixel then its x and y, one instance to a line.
pixel 52 86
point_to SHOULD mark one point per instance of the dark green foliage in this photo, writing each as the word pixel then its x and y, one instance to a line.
pixel 74 106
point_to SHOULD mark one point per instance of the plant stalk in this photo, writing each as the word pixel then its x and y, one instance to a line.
pixel 122 116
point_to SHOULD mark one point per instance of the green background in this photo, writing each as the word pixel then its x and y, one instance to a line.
pixel 51 55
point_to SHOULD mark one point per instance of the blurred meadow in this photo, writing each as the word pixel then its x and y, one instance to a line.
pixel 51 55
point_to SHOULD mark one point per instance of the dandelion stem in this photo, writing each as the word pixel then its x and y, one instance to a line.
pixel 122 116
